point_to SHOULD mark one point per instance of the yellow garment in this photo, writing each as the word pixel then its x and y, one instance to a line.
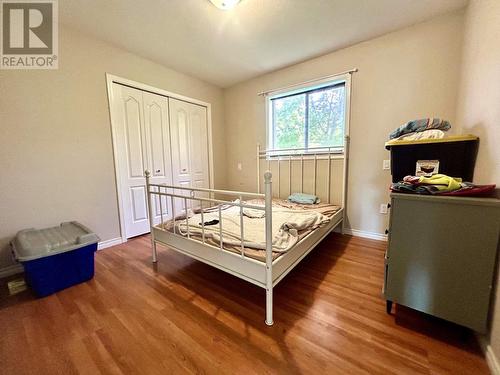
pixel 442 182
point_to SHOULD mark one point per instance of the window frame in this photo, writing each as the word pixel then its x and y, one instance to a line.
pixel 308 87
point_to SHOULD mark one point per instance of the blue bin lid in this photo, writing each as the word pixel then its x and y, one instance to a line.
pixel 33 243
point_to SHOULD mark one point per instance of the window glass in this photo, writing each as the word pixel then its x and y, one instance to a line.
pixel 308 119
pixel 288 121
pixel 326 118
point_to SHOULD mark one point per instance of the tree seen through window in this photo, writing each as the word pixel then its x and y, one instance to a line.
pixel 309 119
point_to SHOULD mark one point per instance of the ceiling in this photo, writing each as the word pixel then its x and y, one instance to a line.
pixel 256 37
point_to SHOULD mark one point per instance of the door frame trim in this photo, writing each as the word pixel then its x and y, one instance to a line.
pixel 110 79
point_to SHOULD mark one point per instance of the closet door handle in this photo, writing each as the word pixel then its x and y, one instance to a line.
pixel 158 170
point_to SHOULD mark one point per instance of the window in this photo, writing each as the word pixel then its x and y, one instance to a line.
pixel 310 118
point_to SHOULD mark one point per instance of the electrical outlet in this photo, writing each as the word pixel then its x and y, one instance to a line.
pixel 386 165
pixel 240 167
pixel 383 208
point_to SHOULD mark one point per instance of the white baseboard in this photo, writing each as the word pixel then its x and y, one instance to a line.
pixel 492 361
pixel 365 234
pixel 108 243
pixel 491 358
pixel 11 270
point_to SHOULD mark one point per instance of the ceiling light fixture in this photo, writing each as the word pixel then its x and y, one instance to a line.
pixel 225 4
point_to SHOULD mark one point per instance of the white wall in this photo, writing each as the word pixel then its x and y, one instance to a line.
pixel 404 75
pixel 478 110
pixel 56 155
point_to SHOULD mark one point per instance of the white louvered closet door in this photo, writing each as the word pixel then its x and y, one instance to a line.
pixel 189 141
pixel 142 139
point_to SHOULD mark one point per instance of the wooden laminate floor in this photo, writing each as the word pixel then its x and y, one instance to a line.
pixel 185 317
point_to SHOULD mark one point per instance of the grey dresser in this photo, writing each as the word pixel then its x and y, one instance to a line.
pixel 441 256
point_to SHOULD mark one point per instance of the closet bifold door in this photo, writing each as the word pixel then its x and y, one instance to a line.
pixel 158 150
pixel 131 154
pixel 142 142
pixel 189 145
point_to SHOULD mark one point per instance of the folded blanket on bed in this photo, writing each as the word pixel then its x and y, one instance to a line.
pixel 285 226
pixel 302 198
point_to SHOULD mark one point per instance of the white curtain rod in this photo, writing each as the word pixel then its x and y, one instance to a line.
pixel 263 93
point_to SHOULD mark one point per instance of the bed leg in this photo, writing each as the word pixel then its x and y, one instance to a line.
pixel 343 225
pixel 147 174
pixel 269 247
pixel 153 245
pixel 269 307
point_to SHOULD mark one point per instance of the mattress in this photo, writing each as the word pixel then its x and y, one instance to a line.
pixel 291 223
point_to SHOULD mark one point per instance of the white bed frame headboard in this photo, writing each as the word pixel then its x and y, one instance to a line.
pixel 299 155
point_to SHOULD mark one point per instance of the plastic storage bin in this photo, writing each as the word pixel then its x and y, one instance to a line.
pixel 456 155
pixel 56 258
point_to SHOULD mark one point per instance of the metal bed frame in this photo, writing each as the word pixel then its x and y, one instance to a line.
pixel 263 274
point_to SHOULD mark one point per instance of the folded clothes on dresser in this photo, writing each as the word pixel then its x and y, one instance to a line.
pixel 426 134
pixel 416 126
pixel 440 184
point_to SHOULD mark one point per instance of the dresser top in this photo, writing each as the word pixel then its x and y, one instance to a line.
pixel 448 199
pixel 451 138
